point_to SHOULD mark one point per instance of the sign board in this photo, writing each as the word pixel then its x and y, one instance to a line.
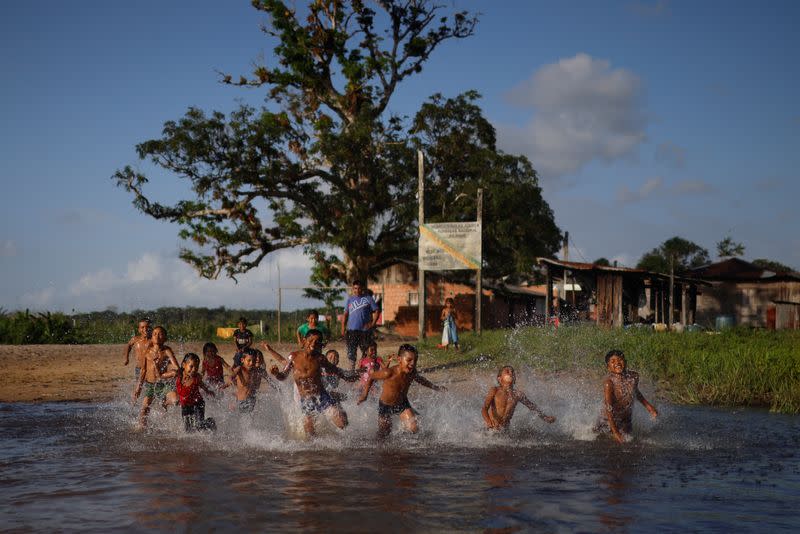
pixel 450 246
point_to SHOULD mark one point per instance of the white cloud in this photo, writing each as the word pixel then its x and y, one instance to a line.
pixel 146 268
pixel 95 282
pixel 155 280
pixel 8 249
pixel 626 195
pixel 584 110
pixel 38 300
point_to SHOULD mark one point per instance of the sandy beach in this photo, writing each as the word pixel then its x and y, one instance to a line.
pixel 87 373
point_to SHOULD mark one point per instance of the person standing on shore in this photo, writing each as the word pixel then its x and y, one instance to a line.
pixel 139 343
pixel 360 316
pixel 312 323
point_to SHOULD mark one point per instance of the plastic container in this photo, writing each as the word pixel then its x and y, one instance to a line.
pixel 724 321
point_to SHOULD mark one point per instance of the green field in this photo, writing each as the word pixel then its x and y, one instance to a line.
pixel 737 367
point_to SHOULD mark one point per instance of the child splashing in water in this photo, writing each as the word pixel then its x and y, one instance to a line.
pixel 159 360
pixel 188 384
pixel 306 366
pixel 213 366
pixel 502 399
pixel 620 388
pixel 394 396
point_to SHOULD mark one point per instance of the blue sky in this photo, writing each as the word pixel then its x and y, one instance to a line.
pixel 645 120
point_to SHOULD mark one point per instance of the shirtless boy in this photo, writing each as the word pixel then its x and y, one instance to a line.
pixel 307 366
pixel 394 396
pixel 502 400
pixel 139 344
pixel 159 359
pixel 247 379
pixel 620 388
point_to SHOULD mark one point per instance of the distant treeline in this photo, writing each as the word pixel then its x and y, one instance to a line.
pixel 182 324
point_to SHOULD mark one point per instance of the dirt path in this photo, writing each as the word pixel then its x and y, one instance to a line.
pixel 90 373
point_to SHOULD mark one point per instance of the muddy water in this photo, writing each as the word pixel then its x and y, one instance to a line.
pixel 67 467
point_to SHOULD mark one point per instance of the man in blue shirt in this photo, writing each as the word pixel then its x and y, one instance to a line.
pixel 360 315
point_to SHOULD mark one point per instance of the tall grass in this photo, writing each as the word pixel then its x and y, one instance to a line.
pixel 737 367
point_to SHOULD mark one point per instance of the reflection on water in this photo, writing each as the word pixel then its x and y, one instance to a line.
pixel 80 467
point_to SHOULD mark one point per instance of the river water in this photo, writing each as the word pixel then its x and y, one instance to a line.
pixel 69 467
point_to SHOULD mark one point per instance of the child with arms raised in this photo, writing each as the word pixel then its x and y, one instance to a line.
pixel 394 396
pixel 620 388
pixel 306 366
pixel 502 399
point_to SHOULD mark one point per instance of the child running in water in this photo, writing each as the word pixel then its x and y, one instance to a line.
pixel 159 360
pixel 247 379
pixel 620 388
pixel 306 366
pixel 331 380
pixel 188 384
pixel 213 366
pixel 139 344
pixel 502 399
pixel 394 396
pixel 368 364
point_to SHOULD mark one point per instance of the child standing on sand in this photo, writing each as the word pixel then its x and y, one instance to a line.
pixel 188 384
pixel 394 396
pixel 159 360
pixel 620 388
pixel 502 399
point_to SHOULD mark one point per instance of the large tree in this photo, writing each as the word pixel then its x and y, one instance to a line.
pixel 681 253
pixel 322 165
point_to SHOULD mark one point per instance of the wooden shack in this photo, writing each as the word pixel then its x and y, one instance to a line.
pixel 615 296
pixel 749 294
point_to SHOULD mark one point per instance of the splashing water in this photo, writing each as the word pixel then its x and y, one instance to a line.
pixel 73 466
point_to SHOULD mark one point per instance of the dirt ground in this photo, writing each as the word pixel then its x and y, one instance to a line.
pixel 90 373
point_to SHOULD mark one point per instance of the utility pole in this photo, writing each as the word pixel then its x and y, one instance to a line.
pixel 420 271
pixel 671 290
pixel 565 254
pixel 279 302
pixel 479 284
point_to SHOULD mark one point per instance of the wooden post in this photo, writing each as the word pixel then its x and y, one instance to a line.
pixel 548 298
pixel 279 303
pixel 479 284
pixel 421 272
pixel 671 291
pixel 684 305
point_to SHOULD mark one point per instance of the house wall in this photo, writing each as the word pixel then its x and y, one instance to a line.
pixel 747 302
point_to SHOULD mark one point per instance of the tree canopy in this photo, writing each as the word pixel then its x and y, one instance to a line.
pixel 728 248
pixel 772 265
pixel 685 254
pixel 323 165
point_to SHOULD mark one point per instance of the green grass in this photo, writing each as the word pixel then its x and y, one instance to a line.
pixel 737 367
